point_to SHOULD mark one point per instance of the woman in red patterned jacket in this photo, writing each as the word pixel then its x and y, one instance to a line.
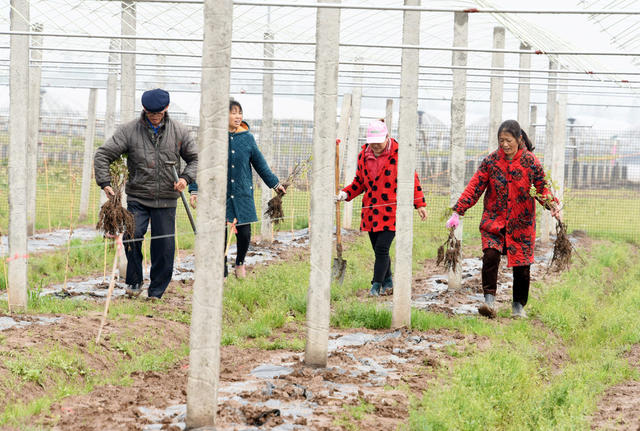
pixel 377 178
pixel 508 224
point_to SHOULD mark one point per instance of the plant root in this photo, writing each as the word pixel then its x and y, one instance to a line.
pixel 274 206
pixel 562 250
pixel 449 252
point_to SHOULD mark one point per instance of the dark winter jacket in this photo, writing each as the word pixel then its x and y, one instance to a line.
pixel 150 179
pixel 379 201
pixel 243 153
pixel 509 217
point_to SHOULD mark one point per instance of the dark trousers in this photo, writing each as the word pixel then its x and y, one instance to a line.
pixel 243 238
pixel 381 243
pixel 163 223
pixel 521 276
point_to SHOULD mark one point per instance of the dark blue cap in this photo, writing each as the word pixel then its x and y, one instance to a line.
pixel 155 100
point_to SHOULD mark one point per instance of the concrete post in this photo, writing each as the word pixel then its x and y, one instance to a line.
pixel 560 142
pixel 351 153
pixel 87 161
pixel 18 136
pixel 322 184
pixel 524 89
pixel 388 117
pixel 458 127
pixel 343 131
pixel 497 88
pixel 35 73
pixel 206 319
pixel 533 117
pixel 266 134
pixel 128 74
pixel 112 93
pixel 546 221
pixel 408 123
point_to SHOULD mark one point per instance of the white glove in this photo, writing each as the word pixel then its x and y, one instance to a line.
pixel 342 196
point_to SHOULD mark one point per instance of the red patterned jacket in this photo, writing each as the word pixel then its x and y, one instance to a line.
pixel 509 217
pixel 379 200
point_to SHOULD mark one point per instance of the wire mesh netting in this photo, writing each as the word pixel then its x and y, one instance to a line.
pixel 601 195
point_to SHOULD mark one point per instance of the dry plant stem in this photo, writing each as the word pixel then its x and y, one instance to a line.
pixel 112 283
pixel 274 206
pixel 6 280
pixel 177 244
pixel 144 256
pixel 293 219
pixel 46 183
pixel 308 205
pixel 231 228
pixel 66 265
pixel 104 263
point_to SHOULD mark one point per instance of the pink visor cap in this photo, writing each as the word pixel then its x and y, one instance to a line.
pixel 376 132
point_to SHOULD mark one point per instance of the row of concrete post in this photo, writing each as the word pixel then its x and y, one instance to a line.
pixel 216 58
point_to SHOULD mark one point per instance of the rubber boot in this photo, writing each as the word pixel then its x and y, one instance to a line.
pixel 375 289
pixel 387 286
pixel 517 310
pixel 488 309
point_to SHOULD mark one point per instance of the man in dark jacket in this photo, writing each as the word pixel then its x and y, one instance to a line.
pixel 149 142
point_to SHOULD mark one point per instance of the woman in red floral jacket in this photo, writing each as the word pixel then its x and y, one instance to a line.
pixel 377 178
pixel 508 224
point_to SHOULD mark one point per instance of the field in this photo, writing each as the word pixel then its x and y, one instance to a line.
pixel 572 365
pixel 563 368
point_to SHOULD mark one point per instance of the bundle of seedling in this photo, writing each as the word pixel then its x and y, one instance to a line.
pixel 113 218
pixel 449 252
pixel 562 248
pixel 274 206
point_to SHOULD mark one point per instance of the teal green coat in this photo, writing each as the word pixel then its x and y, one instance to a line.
pixel 243 154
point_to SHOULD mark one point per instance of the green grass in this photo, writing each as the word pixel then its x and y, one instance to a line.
pixel 513 385
pixel 62 372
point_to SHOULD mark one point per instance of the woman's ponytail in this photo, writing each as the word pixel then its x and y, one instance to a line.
pixel 527 141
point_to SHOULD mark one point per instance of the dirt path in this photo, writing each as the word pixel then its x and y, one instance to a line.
pixel 619 407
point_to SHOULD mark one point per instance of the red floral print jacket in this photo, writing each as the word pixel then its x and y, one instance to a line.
pixel 379 200
pixel 509 217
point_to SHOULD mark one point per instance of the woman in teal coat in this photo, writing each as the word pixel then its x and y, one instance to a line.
pixel 243 154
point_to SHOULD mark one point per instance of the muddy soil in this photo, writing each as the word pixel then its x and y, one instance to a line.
pixel 619 407
pixel 378 371
pixel 275 390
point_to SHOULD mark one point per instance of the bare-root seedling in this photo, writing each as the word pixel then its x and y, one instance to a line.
pixel 449 252
pixel 562 249
pixel 113 218
pixel 274 206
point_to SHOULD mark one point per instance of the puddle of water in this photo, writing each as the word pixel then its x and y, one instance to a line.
pixel 94 288
pixel 267 371
pixel 355 339
pixel 48 241
pixel 7 322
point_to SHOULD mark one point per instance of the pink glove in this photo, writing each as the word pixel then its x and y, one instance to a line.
pixel 453 221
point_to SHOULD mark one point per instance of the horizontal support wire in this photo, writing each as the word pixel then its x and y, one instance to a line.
pixel 115 66
pixel 311 43
pixel 352 63
pixel 399 8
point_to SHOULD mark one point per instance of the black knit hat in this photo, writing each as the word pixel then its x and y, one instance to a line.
pixel 155 100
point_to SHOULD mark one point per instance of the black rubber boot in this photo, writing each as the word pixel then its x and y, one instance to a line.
pixel 517 310
pixel 488 309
